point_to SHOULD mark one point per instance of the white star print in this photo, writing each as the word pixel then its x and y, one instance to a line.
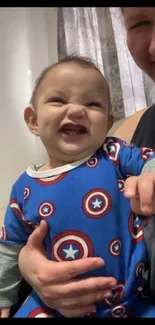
pixel 116 248
pixel 145 274
pixel 112 149
pixel 96 204
pixel 136 222
pixel 141 269
pixel 70 252
pixel 45 209
pixel 115 295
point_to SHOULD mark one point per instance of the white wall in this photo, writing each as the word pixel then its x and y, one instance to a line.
pixel 28 43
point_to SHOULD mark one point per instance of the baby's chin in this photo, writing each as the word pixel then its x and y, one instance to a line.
pixel 75 153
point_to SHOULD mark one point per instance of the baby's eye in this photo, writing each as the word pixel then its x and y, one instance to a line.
pixel 56 100
pixel 139 24
pixel 95 104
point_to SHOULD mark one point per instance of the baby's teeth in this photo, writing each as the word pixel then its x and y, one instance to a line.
pixel 73 132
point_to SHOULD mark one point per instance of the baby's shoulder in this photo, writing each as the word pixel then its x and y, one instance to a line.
pixel 22 180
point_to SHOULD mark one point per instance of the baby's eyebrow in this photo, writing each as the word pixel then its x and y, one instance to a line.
pixel 97 96
pixel 134 18
pixel 54 91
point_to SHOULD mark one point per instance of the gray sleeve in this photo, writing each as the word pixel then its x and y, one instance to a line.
pixel 149 232
pixel 10 276
pixel 149 167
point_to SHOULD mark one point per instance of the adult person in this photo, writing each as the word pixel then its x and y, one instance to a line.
pixel 140 127
pixel 48 280
pixel 140 31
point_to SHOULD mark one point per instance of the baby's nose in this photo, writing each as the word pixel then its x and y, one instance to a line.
pixel 76 110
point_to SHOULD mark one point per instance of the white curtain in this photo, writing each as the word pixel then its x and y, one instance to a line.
pixel 99 33
pixel 28 43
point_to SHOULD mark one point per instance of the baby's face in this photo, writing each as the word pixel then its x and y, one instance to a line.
pixel 72 112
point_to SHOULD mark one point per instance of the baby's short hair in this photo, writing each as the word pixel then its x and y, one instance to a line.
pixel 82 61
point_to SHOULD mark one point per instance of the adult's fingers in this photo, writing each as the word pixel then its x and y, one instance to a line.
pixel 135 206
pixel 38 235
pixel 5 312
pixel 70 295
pixel 78 312
pixel 145 193
pixel 79 287
pixel 66 270
pixel 130 187
pixel 84 300
pixel 35 253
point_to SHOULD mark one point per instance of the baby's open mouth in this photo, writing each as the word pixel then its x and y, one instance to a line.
pixel 73 129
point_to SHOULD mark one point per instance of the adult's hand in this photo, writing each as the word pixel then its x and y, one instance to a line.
pixel 56 282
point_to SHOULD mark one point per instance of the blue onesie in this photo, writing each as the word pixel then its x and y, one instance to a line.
pixel 88 215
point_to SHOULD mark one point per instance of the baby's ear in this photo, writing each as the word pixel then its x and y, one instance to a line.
pixel 30 118
pixel 110 122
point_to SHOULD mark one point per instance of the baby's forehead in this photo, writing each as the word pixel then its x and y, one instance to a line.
pixel 67 75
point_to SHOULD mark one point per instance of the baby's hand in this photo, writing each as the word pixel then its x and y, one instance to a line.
pixel 141 191
pixel 4 312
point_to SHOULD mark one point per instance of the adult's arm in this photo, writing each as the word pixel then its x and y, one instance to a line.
pixel 56 282
pixel 140 129
pixel 128 127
